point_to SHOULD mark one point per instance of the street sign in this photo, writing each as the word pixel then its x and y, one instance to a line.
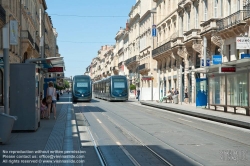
pixel 217 59
pixel 244 56
pixel 154 30
pixel 207 64
pixel 227 69
pixel 242 43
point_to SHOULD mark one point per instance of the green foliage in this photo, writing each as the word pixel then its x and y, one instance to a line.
pixel 66 84
pixel 132 87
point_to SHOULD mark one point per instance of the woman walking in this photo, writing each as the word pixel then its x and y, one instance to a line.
pixel 51 91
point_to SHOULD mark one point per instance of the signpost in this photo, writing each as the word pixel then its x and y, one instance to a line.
pixel 217 59
pixel 244 56
pixel 207 64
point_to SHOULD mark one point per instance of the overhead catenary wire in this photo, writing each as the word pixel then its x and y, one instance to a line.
pixel 65 15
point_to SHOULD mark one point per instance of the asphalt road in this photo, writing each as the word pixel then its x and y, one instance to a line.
pixel 127 133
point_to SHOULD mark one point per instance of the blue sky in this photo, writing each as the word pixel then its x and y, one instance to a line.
pixel 83 28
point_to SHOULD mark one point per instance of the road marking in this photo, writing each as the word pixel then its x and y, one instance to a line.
pixel 185 120
pixel 98 120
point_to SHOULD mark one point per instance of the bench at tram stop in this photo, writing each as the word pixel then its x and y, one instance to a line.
pixel 232 106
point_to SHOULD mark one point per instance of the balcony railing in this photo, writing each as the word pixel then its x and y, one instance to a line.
pixel 2 14
pixel 143 66
pixel 119 64
pixel 26 35
pixel 130 60
pixel 121 50
pixel 232 20
pixel 163 48
pixel 37 47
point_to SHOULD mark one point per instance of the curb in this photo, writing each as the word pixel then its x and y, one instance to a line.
pixel 200 115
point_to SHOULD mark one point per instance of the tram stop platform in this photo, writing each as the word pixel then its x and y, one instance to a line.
pixel 240 119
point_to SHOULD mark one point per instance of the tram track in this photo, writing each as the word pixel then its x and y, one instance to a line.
pixel 157 156
pixel 160 157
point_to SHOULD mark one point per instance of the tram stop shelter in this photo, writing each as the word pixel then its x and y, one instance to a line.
pixel 228 84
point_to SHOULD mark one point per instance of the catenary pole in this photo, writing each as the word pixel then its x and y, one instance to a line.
pixel 6 46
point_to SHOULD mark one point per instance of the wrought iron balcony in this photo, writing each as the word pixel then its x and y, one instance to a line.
pixel 143 67
pixel 232 20
pixel 161 49
pixel 2 15
pixel 131 60
pixel 25 34
pixel 37 47
pixel 119 64
pixel 120 50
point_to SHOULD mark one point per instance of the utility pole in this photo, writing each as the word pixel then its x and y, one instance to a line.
pixel 6 46
pixel 152 47
pixel 41 35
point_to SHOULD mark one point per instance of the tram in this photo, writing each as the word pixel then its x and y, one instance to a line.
pixel 113 88
pixel 81 88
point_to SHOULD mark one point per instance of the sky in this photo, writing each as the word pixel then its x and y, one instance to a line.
pixel 83 26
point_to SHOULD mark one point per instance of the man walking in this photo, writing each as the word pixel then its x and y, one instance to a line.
pixel 138 94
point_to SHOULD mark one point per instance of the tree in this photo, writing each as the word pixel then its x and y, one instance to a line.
pixel 132 87
pixel 66 84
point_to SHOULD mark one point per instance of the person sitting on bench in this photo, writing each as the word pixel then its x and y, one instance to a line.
pixel 168 96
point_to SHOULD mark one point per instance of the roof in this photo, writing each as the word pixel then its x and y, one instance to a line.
pixel 239 64
pixel 46 63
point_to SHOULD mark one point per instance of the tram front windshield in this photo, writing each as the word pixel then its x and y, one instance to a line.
pixel 119 85
pixel 82 85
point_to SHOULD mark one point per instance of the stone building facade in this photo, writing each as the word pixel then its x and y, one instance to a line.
pixel 33 22
pixel 175 58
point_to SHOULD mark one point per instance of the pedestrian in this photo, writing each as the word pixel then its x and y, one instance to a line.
pixel 176 92
pixel 138 94
pixel 186 96
pixel 43 108
pixel 168 96
pixel 51 91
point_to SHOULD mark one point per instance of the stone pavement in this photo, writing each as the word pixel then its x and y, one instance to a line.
pixel 51 140
pixel 239 119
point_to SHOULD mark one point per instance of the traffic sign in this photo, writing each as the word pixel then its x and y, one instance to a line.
pixel 207 64
pixel 154 30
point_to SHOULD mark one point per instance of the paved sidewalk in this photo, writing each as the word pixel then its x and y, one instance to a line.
pixel 239 119
pixel 52 139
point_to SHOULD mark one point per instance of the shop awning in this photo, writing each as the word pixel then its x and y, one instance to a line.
pixel 147 78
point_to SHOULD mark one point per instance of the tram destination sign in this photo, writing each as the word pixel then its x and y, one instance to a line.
pixel 55 70
pixel 227 70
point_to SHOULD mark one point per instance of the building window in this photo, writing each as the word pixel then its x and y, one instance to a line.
pixel 196 16
pixel 188 21
pixel 229 53
pixel 205 10
pixel 221 8
pixel 229 7
pixel 215 8
pixel 181 26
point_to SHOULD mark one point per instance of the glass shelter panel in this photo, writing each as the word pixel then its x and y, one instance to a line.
pixel 237 89
pixel 217 90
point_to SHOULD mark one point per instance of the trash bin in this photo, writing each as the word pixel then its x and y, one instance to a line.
pixel 175 99
pixel 6 124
